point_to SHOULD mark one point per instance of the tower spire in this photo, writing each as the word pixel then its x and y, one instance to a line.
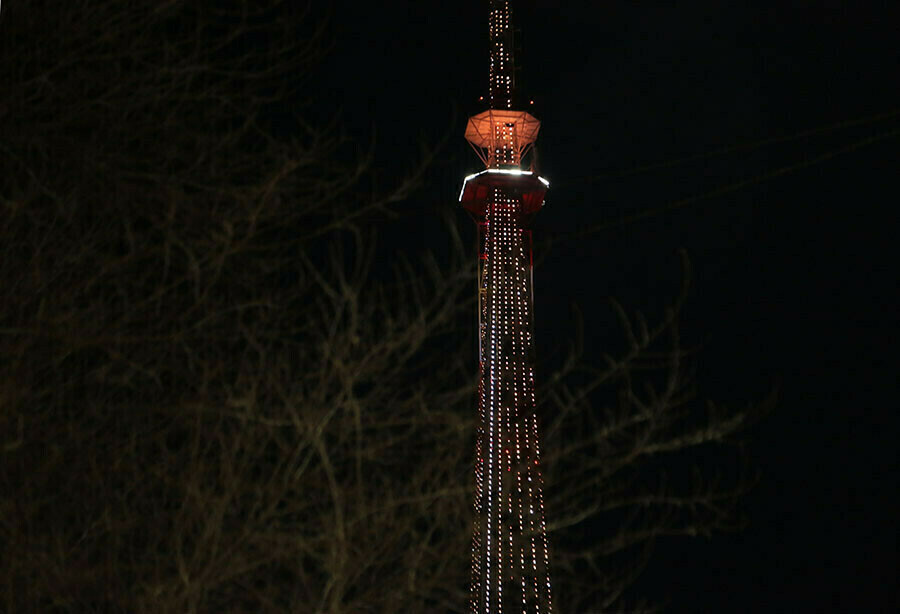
pixel 502 75
pixel 510 557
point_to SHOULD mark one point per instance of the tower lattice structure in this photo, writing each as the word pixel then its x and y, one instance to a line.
pixel 510 554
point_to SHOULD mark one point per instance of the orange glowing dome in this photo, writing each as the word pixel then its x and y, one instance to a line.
pixel 482 128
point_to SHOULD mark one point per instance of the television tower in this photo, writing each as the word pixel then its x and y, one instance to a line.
pixel 510 558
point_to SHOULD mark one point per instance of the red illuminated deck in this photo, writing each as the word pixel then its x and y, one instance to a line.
pixel 524 186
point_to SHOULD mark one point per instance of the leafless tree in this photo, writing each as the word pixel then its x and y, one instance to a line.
pixel 210 401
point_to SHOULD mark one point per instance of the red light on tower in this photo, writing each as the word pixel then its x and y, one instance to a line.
pixel 510 554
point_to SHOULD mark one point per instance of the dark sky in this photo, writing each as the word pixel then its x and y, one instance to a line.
pixel 794 283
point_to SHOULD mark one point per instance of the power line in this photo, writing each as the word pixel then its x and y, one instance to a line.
pixel 732 187
pixel 859 121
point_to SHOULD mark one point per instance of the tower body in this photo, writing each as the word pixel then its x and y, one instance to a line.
pixel 510 553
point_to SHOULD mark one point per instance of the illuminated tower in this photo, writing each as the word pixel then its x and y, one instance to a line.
pixel 510 559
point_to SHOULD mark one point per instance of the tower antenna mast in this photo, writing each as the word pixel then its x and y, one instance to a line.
pixel 510 552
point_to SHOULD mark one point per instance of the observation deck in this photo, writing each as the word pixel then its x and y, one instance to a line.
pixel 525 187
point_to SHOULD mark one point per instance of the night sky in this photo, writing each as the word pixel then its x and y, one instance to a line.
pixel 663 112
